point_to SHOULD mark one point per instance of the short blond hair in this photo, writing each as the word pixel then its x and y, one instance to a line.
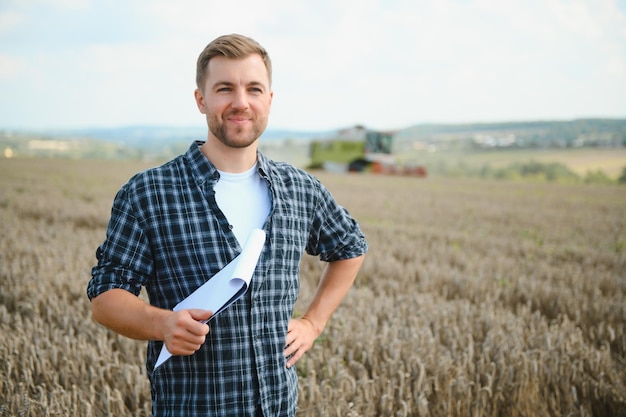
pixel 233 46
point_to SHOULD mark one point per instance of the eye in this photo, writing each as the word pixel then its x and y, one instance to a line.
pixel 256 90
pixel 224 89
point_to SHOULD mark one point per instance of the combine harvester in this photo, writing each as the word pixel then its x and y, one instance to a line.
pixel 358 149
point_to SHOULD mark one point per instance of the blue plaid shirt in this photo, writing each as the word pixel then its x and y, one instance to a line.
pixel 166 233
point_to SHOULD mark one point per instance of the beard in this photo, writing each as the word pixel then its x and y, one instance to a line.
pixel 236 136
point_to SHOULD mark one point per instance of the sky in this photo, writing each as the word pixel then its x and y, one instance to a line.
pixel 385 64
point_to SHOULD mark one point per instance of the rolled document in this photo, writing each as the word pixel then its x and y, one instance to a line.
pixel 225 287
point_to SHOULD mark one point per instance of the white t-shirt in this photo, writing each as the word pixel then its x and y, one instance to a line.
pixel 244 199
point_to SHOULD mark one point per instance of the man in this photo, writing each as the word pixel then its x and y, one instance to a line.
pixel 175 226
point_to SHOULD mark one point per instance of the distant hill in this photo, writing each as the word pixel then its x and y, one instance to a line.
pixel 163 142
pixel 573 133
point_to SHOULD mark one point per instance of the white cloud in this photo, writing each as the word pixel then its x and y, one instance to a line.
pixel 60 4
pixel 10 20
pixel 10 67
pixel 614 66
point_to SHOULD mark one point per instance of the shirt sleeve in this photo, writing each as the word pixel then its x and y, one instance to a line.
pixel 124 258
pixel 335 235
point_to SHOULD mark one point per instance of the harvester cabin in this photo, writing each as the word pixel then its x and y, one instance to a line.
pixel 352 149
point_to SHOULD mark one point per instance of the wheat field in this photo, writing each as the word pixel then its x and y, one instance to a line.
pixel 477 298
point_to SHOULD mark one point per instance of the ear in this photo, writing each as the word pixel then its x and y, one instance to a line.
pixel 200 100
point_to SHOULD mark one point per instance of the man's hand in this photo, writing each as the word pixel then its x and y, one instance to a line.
pixel 125 313
pixel 301 334
pixel 183 331
pixel 335 283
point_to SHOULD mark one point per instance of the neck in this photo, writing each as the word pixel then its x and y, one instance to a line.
pixel 228 159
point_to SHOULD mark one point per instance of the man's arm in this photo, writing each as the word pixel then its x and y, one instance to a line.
pixel 335 283
pixel 128 315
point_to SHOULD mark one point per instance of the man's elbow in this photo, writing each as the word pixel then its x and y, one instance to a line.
pixel 97 310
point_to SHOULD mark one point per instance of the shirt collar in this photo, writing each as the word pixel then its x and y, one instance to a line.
pixel 204 171
pixel 263 165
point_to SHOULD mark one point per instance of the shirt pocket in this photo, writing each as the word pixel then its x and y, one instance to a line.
pixel 288 240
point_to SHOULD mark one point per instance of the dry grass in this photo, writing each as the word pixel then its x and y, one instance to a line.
pixel 477 299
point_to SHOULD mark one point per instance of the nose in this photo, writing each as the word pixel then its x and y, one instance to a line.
pixel 240 100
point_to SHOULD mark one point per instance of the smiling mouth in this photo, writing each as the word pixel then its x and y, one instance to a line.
pixel 238 119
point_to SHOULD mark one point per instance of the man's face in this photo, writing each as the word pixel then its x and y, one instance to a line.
pixel 236 100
